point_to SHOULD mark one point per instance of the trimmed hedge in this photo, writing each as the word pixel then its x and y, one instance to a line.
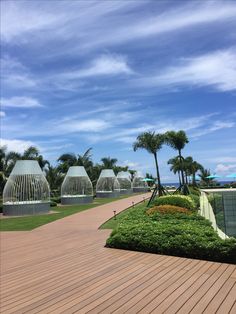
pixel 176 200
pixel 177 234
pixel 167 209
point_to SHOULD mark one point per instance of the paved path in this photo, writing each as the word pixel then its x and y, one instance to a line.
pixel 63 267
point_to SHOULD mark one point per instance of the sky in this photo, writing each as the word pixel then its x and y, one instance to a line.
pixel 81 74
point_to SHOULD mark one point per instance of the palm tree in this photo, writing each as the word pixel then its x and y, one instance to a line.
pixel 204 173
pixel 152 143
pixel 54 178
pixel 108 162
pixel 191 168
pixel 7 162
pixel 175 166
pixel 69 159
pixel 32 153
pixel 132 173
pixel 177 140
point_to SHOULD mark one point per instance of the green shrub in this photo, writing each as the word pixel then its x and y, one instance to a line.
pixel 196 200
pixel 167 209
pixel 53 204
pixel 56 199
pixel 176 200
pixel 194 190
pixel 179 234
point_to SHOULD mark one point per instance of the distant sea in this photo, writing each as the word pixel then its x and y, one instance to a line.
pixel 177 184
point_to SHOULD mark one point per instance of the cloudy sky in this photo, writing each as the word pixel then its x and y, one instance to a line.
pixel 80 74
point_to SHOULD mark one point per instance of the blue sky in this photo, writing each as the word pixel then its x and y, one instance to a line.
pixel 80 74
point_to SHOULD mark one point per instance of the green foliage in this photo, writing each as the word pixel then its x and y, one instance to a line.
pixel 194 190
pixel 53 204
pixel 171 234
pixel 176 200
pixel 196 200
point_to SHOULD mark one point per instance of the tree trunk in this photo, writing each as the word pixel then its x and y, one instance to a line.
pixel 194 178
pixel 158 176
pixel 182 170
pixel 179 178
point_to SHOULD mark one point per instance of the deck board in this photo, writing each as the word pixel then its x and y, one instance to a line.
pixel 63 267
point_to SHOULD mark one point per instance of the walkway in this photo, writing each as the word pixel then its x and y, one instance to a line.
pixel 63 267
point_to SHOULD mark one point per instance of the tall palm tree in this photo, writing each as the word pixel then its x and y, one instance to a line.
pixel 32 153
pixel 152 142
pixel 191 168
pixel 108 162
pixel 69 159
pixel 175 166
pixel 177 140
pixel 7 162
pixel 204 173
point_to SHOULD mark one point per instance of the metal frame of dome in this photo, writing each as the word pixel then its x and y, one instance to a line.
pixel 27 191
pixel 107 184
pixel 139 185
pixel 76 188
pixel 125 182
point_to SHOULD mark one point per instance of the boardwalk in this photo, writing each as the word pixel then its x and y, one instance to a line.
pixel 63 267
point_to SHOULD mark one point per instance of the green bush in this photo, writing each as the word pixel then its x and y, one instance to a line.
pixel 180 234
pixel 53 204
pixel 194 190
pixel 56 199
pixel 196 200
pixel 176 200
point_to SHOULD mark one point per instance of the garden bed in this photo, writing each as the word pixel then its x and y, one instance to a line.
pixel 170 233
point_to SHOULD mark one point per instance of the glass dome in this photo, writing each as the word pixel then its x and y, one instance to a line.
pixel 26 191
pixel 125 182
pixel 139 185
pixel 76 187
pixel 107 185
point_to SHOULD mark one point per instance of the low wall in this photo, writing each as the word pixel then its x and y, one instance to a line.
pixel 207 212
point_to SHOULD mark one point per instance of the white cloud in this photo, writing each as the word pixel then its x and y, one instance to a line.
pixel 18 146
pixel 102 66
pixel 212 127
pixel 2 114
pixel 89 125
pixel 225 169
pixel 15 74
pixel 222 159
pixel 29 19
pixel 20 102
pixel 216 69
pixel 172 20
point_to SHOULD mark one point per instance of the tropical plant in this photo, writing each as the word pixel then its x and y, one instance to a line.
pixel 175 166
pixel 178 140
pixel 152 142
pixel 108 162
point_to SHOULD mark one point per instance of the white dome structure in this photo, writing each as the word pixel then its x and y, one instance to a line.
pixel 139 185
pixel 76 188
pixel 107 185
pixel 26 191
pixel 125 182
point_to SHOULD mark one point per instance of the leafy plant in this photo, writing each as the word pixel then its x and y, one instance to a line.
pixel 178 234
pixel 167 209
pixel 176 200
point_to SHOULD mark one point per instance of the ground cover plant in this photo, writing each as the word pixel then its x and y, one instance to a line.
pixel 32 222
pixel 169 232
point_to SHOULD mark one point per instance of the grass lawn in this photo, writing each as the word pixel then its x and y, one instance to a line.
pixel 31 222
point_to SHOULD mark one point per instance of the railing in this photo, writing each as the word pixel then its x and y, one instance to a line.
pixel 207 211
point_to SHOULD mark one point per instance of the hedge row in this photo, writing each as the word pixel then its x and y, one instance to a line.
pixel 177 234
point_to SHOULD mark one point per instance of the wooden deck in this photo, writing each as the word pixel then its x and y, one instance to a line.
pixel 63 267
